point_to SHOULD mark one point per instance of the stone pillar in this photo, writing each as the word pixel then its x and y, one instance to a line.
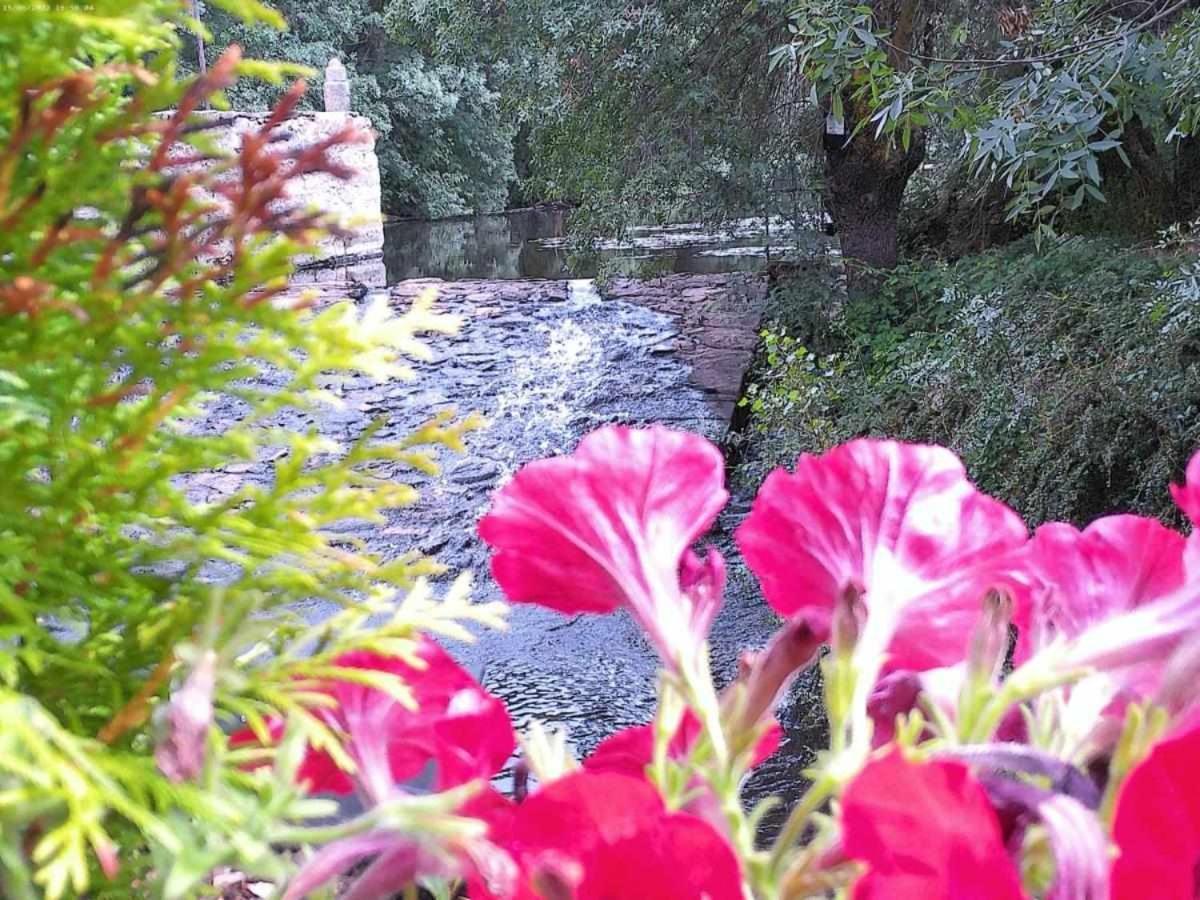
pixel 337 87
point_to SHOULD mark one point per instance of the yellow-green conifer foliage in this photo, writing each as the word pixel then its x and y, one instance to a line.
pixel 128 300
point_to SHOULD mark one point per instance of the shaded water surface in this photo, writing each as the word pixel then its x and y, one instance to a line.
pixel 534 243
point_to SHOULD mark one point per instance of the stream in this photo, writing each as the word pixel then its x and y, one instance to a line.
pixel 545 360
pixel 591 362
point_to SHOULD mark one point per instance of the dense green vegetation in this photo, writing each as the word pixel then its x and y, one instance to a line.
pixel 1060 366
pixel 720 107
pixel 444 145
pixel 1068 379
pixel 1057 103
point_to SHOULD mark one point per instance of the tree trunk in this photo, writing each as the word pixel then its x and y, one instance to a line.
pixel 865 178
pixel 864 181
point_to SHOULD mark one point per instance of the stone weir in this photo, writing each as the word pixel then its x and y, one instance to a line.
pixel 545 362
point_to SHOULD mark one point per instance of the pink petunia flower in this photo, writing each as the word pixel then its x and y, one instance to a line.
pixel 457 726
pixel 1113 598
pixel 926 831
pixel 631 751
pixel 893 528
pixel 610 526
pixel 1157 821
pixel 1114 565
pixel 898 523
pixel 595 836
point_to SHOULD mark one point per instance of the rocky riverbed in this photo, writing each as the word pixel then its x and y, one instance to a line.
pixel 546 361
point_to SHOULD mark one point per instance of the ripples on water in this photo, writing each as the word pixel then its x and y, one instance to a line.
pixel 534 243
pixel 595 675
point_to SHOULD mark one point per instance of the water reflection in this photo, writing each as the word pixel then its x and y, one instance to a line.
pixel 533 243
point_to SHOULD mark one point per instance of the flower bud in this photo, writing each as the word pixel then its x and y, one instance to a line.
pixel 106 855
pixel 180 754
pixel 990 640
pixel 702 581
pixel 849 616
pixel 765 676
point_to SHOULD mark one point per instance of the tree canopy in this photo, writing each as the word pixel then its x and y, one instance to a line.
pixel 648 106
pixel 444 146
pixel 720 107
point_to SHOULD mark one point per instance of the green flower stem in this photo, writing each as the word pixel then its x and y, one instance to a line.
pixel 1024 684
pixel 711 757
pixel 972 704
pixel 666 721
pixel 793 829
pixel 839 680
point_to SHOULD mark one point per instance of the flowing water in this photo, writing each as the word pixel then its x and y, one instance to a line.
pixel 546 361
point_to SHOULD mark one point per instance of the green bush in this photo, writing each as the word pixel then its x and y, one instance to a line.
pixel 1069 380
pixel 129 300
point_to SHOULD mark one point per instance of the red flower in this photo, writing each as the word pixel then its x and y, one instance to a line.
pixel 926 832
pixel 899 524
pixel 1157 822
pixel 631 750
pixel 596 836
pixel 610 526
pixel 457 725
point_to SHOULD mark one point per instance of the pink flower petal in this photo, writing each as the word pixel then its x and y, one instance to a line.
pixel 627 752
pixel 631 750
pixel 601 832
pixel 1118 593
pixel 1187 498
pixel 898 522
pixel 678 857
pixel 1157 821
pixel 609 526
pixel 1115 564
pixel 1080 850
pixel 458 726
pixel 926 832
pixel 1187 495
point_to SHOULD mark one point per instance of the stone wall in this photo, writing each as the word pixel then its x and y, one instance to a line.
pixel 356 204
